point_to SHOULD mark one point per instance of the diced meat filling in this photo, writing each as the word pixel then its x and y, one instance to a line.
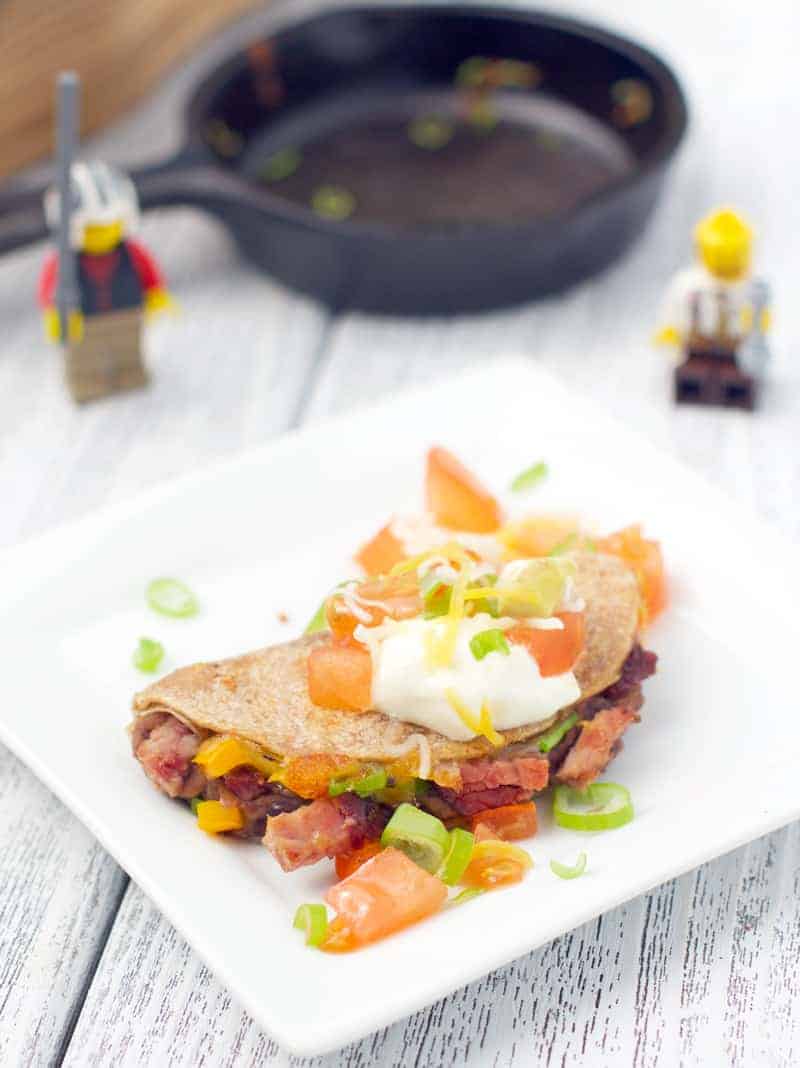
pixel 255 797
pixel 325 828
pixel 298 832
pixel 509 780
pixel 166 747
pixel 597 742
pixel 491 783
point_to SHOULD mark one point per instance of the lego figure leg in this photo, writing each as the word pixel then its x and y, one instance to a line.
pixel 108 358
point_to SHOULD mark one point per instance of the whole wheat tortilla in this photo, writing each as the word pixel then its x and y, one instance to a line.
pixel 263 696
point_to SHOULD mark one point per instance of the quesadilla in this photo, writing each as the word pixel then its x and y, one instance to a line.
pixel 451 685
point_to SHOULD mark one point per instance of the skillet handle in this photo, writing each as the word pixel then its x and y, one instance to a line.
pixel 187 178
pixel 22 218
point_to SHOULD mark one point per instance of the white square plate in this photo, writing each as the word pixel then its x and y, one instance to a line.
pixel 713 763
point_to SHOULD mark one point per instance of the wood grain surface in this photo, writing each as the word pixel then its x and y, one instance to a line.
pixel 701 971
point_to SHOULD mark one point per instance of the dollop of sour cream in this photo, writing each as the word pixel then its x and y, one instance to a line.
pixel 405 687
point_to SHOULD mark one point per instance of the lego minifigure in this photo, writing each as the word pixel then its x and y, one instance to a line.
pixel 116 279
pixel 717 316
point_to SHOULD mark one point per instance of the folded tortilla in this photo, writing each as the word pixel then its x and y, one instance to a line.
pixel 263 696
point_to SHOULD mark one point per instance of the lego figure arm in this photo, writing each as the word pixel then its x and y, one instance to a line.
pixel 48 280
pixel 157 296
pixel 673 314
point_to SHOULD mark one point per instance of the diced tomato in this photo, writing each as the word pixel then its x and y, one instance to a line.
pixel 340 676
pixel 392 596
pixel 456 498
pixel 646 560
pixel 508 822
pixel 495 863
pixel 385 894
pixel 381 553
pixel 347 863
pixel 539 535
pixel 555 651
pixel 310 774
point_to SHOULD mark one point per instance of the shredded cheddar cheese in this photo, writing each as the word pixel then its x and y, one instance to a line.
pixel 481 724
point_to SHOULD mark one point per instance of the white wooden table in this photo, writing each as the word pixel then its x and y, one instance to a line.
pixel 703 970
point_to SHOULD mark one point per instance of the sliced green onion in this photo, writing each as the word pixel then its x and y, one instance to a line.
pixel 489 641
pixel 431 132
pixel 482 116
pixel 465 896
pixel 281 165
pixel 566 871
pixel 398 794
pixel 564 546
pixel 364 785
pixel 148 654
pixel 171 597
pixel 313 920
pixel 194 803
pixel 470 72
pixel 550 739
pixel 457 857
pixel 487 604
pixel 600 807
pixel 319 621
pixel 590 545
pixel 333 202
pixel 541 584
pixel 530 477
pixel 422 837
pixel 436 598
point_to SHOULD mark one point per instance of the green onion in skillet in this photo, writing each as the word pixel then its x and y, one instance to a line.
pixel 282 165
pixel 430 132
pixel 333 202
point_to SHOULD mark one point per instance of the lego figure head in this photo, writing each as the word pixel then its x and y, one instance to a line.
pixel 723 243
pixel 105 208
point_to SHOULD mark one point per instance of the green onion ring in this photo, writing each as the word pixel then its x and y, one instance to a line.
pixel 313 920
pixel 457 857
pixel 422 837
pixel 565 871
pixel 171 597
pixel 603 806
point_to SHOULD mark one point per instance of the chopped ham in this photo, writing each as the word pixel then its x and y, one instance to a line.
pixel 166 747
pixel 492 783
pixel 528 772
pixel 597 743
pixel 325 828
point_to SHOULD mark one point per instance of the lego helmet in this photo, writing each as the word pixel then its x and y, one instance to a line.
pixel 101 195
pixel 724 241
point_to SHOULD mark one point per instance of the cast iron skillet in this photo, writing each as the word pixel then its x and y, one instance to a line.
pixel 540 183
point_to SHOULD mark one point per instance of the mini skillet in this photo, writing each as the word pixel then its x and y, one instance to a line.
pixel 387 159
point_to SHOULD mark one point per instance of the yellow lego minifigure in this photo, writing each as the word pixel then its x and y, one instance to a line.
pixel 716 314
